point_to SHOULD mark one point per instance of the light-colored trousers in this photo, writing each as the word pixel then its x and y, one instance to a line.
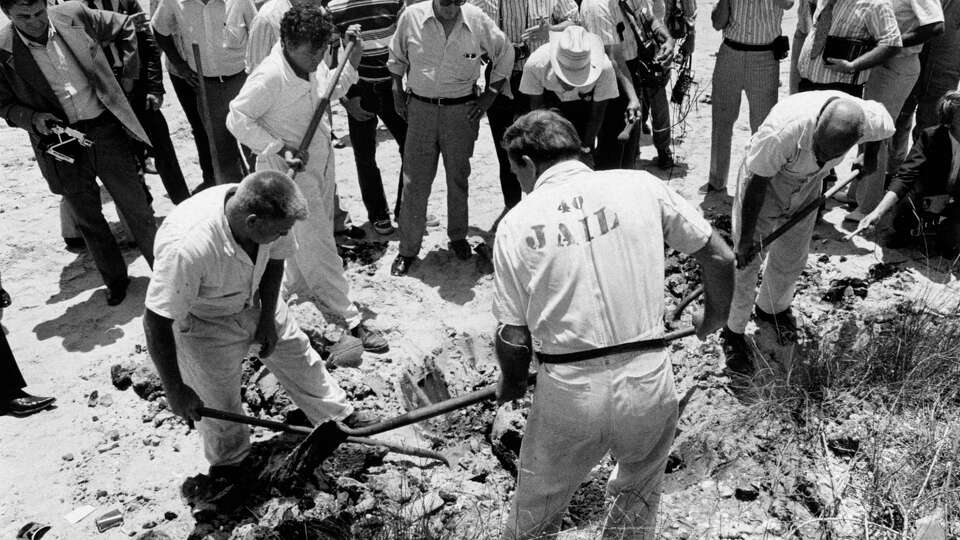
pixel 756 73
pixel 317 268
pixel 434 131
pixel 210 352
pixel 625 404
pixel 890 84
pixel 782 260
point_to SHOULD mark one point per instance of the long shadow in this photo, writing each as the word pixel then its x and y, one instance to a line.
pixel 454 279
pixel 93 323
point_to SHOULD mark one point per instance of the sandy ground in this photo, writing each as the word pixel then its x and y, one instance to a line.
pixel 66 339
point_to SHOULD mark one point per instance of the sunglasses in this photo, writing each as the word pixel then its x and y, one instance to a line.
pixel 446 3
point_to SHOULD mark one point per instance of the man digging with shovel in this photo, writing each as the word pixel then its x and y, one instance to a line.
pixel 214 293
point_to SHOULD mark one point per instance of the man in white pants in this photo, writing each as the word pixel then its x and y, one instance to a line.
pixel 214 293
pixel 270 115
pixel 579 274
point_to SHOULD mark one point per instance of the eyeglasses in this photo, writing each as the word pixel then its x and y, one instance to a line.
pixel 451 2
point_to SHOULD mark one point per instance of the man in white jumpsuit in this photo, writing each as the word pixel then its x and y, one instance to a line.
pixel 213 294
pixel 579 275
pixel 270 115
pixel 802 139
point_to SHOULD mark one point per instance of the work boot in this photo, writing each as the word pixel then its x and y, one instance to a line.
pixel 784 323
pixel 735 352
pixel 373 341
pixel 359 419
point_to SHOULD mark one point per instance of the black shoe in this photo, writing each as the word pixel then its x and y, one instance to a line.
pixel 401 265
pixel 461 248
pixel 665 159
pixel 784 323
pixel 373 341
pixel 74 243
pixel 23 404
pixel 117 292
pixel 352 232
pixel 735 352
pixel 359 419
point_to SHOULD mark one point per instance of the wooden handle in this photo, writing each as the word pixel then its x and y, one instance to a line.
pixel 205 113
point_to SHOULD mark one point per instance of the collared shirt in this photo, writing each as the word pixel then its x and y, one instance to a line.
pixel 580 260
pixel 265 32
pixel 605 18
pixel 378 22
pixel 199 269
pixel 274 107
pixel 515 16
pixel 438 66
pixel 754 22
pixel 782 148
pixel 912 14
pixel 538 75
pixel 66 78
pixel 854 19
pixel 220 28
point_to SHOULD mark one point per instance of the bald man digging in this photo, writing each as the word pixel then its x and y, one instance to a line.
pixel 802 139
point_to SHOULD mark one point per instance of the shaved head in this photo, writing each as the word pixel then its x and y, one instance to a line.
pixel 839 128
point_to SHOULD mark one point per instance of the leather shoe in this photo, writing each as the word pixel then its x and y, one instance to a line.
pixel 461 248
pixel 23 404
pixel 117 292
pixel 373 341
pixel 401 265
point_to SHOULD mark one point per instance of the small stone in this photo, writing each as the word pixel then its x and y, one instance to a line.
pixel 843 258
pixel 107 447
pixel 708 485
pixel 149 524
pixel 447 496
pixel 67 457
pixel 95 418
pixel 176 447
pixel 725 491
pixel 113 435
pixel 106 400
pixel 93 398
pixel 101 493
pixel 169 516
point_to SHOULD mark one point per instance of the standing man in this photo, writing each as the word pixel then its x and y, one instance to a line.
pixel 271 115
pixel 215 293
pixel 220 28
pixel 572 74
pixel 748 62
pixel 802 139
pixel 438 46
pixel 13 399
pixel 579 278
pixel 53 74
pixel 526 24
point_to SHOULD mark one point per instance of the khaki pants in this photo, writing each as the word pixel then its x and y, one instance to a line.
pixel 625 404
pixel 210 352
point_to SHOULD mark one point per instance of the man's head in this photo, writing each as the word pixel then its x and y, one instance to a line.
pixel 27 16
pixel 948 109
pixel 537 141
pixel 265 206
pixel 839 128
pixel 447 10
pixel 306 32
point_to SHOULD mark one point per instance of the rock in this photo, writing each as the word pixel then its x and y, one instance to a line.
pixel 169 516
pixel 447 496
pixel 152 534
pixel 149 524
pixel 724 490
pixel 113 435
pixel 421 507
pixel 393 484
pixel 106 447
pixel 746 494
pixel 106 400
pixel 93 398
pixel 252 531
pixel 101 493
pixel 120 376
pixel 94 418
pixel 506 436
pixel 67 457
pixel 146 383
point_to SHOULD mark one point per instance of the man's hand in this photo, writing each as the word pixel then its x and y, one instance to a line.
pixel 539 32
pixel 867 225
pixel 184 402
pixel 400 101
pixel 355 109
pixel 186 73
pixel 43 121
pixel 633 111
pixel 353 34
pixel 510 388
pixel 746 251
pixel 154 102
pixel 266 336
pixel 840 65
pixel 480 106
pixel 293 158
pixel 665 54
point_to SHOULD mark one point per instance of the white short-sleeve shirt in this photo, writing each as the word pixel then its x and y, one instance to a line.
pixel 538 76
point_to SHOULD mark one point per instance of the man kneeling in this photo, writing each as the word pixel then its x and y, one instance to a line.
pixel 219 263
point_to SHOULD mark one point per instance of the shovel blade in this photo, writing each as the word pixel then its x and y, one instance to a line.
pixel 298 466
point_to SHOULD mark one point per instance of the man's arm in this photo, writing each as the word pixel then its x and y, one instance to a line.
pixel 17 114
pixel 266 333
pixel 111 27
pixel 615 52
pixel 169 48
pixel 754 194
pixel 500 51
pixel 514 352
pixel 716 262
pixel 255 98
pixel 590 132
pixel 152 65
pixel 399 63
pixel 720 16
pixel 922 34
pixel 183 401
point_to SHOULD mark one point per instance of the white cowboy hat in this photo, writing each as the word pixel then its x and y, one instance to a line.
pixel 576 56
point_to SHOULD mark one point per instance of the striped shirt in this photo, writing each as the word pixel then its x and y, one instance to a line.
pixel 754 22
pixel 605 19
pixel 854 19
pixel 378 22
pixel 219 27
pixel 515 16
pixel 912 14
pixel 265 32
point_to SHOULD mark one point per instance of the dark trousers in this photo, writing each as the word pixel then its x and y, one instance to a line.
pixel 610 152
pixel 112 159
pixel 376 98
pixel 501 115
pixel 188 99
pixel 165 157
pixel 227 152
pixel 856 90
pixel 11 380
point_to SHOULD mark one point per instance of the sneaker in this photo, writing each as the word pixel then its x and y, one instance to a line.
pixel 665 159
pixel 373 341
pixel 383 226
pixel 359 419
pixel 735 352
pixel 432 220
pixel 461 248
pixel 784 323
pixel 352 232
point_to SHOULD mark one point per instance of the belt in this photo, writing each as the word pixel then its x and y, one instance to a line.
pixel 589 354
pixel 737 46
pixel 101 119
pixel 444 101
pixel 224 78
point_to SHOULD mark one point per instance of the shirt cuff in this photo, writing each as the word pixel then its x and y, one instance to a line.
pixel 274 147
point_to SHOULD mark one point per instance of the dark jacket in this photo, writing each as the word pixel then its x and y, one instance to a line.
pixel 24 90
pixel 151 70
pixel 926 171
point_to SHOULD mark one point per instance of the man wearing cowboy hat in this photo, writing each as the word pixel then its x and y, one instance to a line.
pixel 572 74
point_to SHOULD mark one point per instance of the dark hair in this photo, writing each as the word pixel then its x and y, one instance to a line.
pixel 5 5
pixel 271 195
pixel 307 23
pixel 947 107
pixel 544 136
